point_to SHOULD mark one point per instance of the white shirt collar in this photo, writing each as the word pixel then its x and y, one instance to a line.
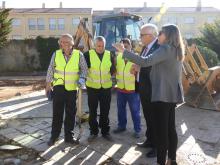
pixel 151 44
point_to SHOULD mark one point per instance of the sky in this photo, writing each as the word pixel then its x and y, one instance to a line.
pixel 106 4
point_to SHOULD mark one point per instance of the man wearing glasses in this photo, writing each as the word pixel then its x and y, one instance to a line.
pixel 148 37
pixel 67 71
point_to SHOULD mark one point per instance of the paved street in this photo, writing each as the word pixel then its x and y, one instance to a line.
pixel 29 123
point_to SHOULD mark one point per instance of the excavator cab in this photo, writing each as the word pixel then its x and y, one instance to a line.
pixel 117 26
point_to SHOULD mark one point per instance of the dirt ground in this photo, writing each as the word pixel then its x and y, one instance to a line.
pixel 24 155
pixel 11 88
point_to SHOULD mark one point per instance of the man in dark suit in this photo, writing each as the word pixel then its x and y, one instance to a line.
pixel 148 37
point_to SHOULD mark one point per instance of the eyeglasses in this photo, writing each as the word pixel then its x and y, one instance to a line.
pixel 145 34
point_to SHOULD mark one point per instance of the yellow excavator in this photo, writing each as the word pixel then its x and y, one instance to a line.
pixel 201 84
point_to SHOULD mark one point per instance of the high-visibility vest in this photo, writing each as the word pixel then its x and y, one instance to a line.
pixel 99 72
pixel 66 73
pixel 125 80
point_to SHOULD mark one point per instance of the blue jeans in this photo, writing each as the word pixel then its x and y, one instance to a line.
pixel 134 105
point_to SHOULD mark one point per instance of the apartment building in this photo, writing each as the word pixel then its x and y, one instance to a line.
pixel 46 22
pixel 52 22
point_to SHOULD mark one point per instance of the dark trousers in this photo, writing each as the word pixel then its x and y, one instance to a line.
pixel 166 136
pixel 63 100
pixel 103 98
pixel 145 96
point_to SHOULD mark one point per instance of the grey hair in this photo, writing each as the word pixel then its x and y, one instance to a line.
pixel 100 38
pixel 153 28
pixel 67 35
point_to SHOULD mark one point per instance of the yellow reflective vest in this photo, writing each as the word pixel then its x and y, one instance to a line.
pixel 125 80
pixel 99 72
pixel 66 73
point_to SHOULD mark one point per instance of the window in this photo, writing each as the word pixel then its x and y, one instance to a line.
pixel 55 36
pixel 16 22
pixel 165 20
pixel 32 23
pixel 189 20
pixel 132 30
pixel 188 35
pixel 173 20
pixel 210 19
pixel 76 22
pixel 61 25
pixel 40 24
pixel 145 19
pixel 32 36
pixel 110 33
pixel 96 29
pixel 52 24
pixel 17 37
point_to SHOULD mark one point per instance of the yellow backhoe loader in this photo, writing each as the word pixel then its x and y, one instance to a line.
pixel 201 84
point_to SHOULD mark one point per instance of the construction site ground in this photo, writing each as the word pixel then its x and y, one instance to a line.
pixel 25 120
pixel 11 86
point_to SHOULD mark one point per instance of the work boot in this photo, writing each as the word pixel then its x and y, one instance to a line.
pixel 119 130
pixel 173 162
pixel 152 153
pixel 73 141
pixel 92 137
pixel 145 144
pixel 107 137
pixel 52 141
pixel 137 134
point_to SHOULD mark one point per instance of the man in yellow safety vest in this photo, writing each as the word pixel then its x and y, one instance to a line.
pixel 126 92
pixel 100 64
pixel 66 71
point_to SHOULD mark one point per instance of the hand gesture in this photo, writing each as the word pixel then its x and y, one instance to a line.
pixel 134 69
pixel 48 88
pixel 119 47
pixel 81 83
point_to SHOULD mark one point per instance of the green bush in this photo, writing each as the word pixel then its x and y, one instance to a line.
pixel 5 26
pixel 211 36
pixel 210 57
pixel 46 47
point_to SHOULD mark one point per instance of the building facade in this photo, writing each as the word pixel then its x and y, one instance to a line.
pixel 47 22
pixel 189 19
pixel 52 22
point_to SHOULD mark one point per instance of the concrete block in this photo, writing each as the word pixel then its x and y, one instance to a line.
pixel 31 130
pixel 20 137
pixel 14 135
pixel 26 140
pixel 50 152
pixel 41 147
pixel 7 131
pixel 39 133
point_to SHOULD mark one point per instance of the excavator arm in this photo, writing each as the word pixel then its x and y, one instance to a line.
pixel 83 39
pixel 200 83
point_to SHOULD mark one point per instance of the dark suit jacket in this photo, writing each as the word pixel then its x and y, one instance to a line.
pixel 144 75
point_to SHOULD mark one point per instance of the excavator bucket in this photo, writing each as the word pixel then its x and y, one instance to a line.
pixel 206 96
pixel 200 97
